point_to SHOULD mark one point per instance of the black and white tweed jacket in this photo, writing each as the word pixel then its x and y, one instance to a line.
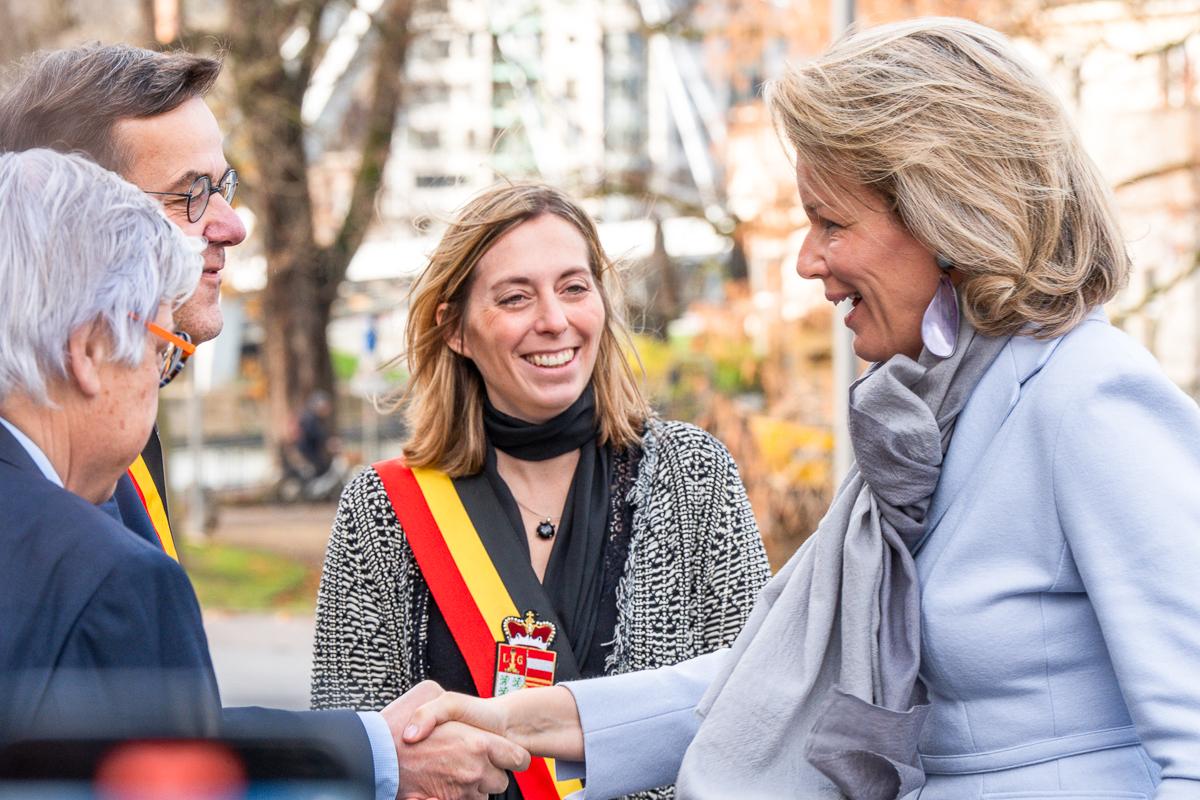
pixel 694 568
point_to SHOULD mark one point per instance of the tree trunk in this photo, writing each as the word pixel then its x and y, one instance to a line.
pixel 296 350
pixel 295 353
pixel 303 278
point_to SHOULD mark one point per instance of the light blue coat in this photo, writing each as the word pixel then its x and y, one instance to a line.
pixel 1060 583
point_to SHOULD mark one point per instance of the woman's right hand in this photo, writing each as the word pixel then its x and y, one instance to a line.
pixel 543 721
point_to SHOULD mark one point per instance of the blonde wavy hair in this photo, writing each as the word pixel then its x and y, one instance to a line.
pixel 443 400
pixel 976 157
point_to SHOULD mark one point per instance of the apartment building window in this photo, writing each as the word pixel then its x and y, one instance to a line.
pixel 427 140
pixel 430 48
pixel 1178 70
pixel 437 181
pixel 428 93
pixel 624 138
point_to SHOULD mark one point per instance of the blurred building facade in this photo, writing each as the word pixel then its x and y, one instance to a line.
pixel 586 95
pixel 590 96
pixel 600 98
pixel 1130 76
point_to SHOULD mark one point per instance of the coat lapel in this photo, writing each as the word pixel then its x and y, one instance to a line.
pixel 989 406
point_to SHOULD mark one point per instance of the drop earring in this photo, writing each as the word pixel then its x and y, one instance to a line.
pixel 939 326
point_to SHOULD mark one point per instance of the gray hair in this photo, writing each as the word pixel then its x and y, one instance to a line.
pixel 69 100
pixel 78 244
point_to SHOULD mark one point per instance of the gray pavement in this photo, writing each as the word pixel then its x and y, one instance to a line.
pixel 265 659
pixel 300 531
pixel 261 659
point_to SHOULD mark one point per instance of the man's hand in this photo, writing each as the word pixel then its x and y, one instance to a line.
pixel 456 761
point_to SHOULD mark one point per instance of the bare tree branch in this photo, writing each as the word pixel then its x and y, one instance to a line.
pixel 392 36
pixel 308 54
pixel 288 11
pixel 1156 291
pixel 1166 47
pixel 634 185
pixel 1158 172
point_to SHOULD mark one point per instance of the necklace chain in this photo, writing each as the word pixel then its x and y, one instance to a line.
pixel 546 517
pixel 546 527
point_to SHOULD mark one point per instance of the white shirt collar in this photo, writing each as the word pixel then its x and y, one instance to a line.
pixel 34 451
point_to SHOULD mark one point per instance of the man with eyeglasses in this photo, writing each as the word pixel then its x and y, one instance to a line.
pixel 142 115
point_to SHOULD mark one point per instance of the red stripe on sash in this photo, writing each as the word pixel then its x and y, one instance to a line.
pixel 453 596
pixel 471 633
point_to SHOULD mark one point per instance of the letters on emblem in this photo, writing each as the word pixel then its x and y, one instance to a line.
pixel 525 658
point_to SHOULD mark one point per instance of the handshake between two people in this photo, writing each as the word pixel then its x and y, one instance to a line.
pixel 457 747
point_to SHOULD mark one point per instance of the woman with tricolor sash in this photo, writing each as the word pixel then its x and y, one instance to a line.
pixel 542 525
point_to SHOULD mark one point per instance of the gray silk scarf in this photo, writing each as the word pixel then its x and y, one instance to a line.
pixel 821 698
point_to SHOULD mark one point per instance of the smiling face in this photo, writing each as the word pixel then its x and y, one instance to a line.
pixel 166 153
pixel 533 319
pixel 865 256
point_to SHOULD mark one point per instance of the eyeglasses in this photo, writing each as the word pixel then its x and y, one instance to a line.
pixel 202 189
pixel 179 349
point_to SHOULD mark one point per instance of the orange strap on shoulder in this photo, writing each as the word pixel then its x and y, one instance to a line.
pixel 465 585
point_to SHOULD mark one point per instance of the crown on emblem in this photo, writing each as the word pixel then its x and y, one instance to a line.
pixel 530 631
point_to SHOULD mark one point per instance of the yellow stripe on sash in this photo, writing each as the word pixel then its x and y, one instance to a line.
pixel 564 787
pixel 151 499
pixel 475 565
pixel 465 547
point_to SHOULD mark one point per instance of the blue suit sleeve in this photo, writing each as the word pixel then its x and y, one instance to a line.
pixel 339 734
pixel 637 726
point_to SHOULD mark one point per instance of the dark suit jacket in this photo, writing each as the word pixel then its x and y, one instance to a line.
pixel 100 631
pixel 101 634
pixel 127 501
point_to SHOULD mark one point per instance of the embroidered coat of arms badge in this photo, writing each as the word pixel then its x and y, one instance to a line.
pixel 524 658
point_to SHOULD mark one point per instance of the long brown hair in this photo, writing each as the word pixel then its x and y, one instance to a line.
pixel 443 400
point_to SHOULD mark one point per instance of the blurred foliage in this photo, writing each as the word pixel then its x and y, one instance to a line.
pixel 765 397
pixel 797 453
pixel 345 365
pixel 682 369
pixel 238 579
pixel 785 466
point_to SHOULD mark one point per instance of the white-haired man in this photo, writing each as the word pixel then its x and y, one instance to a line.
pixel 91 274
pixel 100 631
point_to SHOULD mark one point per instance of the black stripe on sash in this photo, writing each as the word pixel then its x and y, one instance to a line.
pixel 511 560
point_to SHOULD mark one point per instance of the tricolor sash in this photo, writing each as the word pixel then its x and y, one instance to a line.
pixel 152 501
pixel 503 626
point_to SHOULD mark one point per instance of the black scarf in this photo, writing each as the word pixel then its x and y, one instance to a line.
pixel 574 574
pixel 530 441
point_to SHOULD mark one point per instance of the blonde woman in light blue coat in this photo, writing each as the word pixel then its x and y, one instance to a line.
pixel 1004 599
